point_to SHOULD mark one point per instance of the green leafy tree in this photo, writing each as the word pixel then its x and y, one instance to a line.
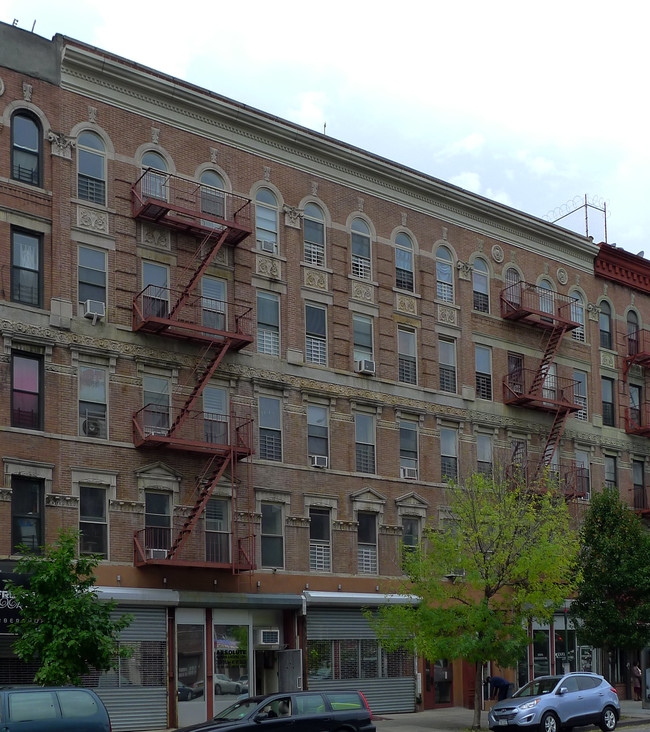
pixel 612 604
pixel 62 623
pixel 505 556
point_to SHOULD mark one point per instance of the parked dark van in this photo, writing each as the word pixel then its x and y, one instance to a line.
pixel 301 711
pixel 51 709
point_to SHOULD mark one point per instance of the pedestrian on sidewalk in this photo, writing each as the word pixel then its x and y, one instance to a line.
pixel 498 687
pixel 636 681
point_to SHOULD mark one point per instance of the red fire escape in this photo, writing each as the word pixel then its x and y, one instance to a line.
pixel 540 388
pixel 213 218
pixel 636 346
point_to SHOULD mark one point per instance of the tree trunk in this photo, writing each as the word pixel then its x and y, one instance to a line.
pixel 478 696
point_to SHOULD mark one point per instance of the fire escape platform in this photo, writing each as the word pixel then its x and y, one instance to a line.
pixel 187 206
pixel 572 480
pixel 520 390
pixel 636 346
pixel 526 303
pixel 637 421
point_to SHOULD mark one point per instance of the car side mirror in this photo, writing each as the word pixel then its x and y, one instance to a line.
pixel 261 717
pixel 563 690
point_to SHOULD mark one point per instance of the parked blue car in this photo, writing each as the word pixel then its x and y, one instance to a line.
pixel 550 703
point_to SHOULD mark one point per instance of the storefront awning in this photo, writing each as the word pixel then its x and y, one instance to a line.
pixel 358 599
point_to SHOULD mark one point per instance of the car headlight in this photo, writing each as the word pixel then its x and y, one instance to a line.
pixel 529 705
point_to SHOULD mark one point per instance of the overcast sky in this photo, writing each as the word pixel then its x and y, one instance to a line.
pixel 529 104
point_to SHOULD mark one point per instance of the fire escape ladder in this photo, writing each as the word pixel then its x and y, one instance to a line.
pixel 214 469
pixel 221 349
pixel 552 346
pixel 200 270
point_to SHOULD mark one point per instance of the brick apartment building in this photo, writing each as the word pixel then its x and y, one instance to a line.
pixel 243 358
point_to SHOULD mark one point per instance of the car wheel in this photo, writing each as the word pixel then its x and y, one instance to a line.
pixel 217 689
pixel 549 723
pixel 607 720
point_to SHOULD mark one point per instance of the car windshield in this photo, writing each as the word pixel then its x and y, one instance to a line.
pixel 538 687
pixel 238 710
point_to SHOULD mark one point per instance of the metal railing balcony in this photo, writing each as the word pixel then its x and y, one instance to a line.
pixel 637 420
pixel 538 306
pixel 233 550
pixel 202 432
pixel 186 205
pixel 636 346
pixel 525 388
pixel 197 317
pixel 571 479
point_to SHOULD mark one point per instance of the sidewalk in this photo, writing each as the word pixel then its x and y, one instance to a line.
pixel 459 718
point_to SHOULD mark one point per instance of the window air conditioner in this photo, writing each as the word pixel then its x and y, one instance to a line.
pixel 267 637
pixel 408 473
pixel 92 427
pixel 266 245
pixel 156 553
pixel 94 309
pixel 318 461
pixel 365 366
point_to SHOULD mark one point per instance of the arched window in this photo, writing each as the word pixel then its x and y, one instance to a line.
pixel 91 168
pixel 361 261
pixel 546 298
pixel 512 294
pixel 314 235
pixel 632 333
pixel 26 148
pixel 444 275
pixel 578 316
pixel 481 286
pixel 266 221
pixel 605 324
pixel 154 182
pixel 404 262
pixel 213 201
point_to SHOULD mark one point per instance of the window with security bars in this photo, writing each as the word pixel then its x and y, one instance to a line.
pixel 268 323
pixel 316 334
pixel 408 447
pixel 217 531
pixel 483 360
pixel 320 551
pixel 404 262
pixel 266 221
pixel 407 363
pixel 578 316
pixel 319 659
pixel 481 287
pixel 365 443
pixel 444 275
pixel 580 394
pixel 356 658
pixel 14 670
pixel 314 235
pixel 270 436
pixel 361 262
pixel 146 666
pixel 448 454
pixel 447 363
pixel 367 542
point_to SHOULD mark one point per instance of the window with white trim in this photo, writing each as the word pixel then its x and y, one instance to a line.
pixel 484 463
pixel 583 473
pixel 362 335
pixel 272 547
pixel 320 547
pixel 155 290
pixel 314 235
pixel 407 368
pixel 411 529
pixel 408 449
pixel 91 168
pixel 444 275
pixel 605 325
pixel 268 323
pixel 317 431
pixel 611 471
pixel 481 286
pixel 266 221
pixel 448 454
pixel 316 334
pixel 270 428
pixel 155 179
pixel 93 522
pixel 217 531
pixel 361 252
pixel 364 425
pixel 92 402
pixel 26 148
pixel 213 303
pixel 367 542
pixel 156 399
pixel 580 394
pixel 213 199
pixel 215 415
pixel 92 275
pixel 578 316
pixel 26 267
pixel 404 279
pixel 27 498
pixel 483 364
pixel 157 520
pixel 447 364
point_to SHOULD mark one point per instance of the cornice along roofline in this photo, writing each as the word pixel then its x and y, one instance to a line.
pixel 92 72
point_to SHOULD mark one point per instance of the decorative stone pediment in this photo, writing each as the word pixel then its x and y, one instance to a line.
pixel 268 267
pixel 362 291
pixel 447 315
pixel 92 219
pixel 315 278
pixel 406 304
pixel 412 504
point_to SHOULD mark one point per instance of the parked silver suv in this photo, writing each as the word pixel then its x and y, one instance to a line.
pixel 551 702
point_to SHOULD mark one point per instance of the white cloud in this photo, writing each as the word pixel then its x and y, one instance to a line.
pixel 472 143
pixel 310 111
pixel 468 181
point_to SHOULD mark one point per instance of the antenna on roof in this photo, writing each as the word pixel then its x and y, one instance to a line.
pixel 33 25
pixel 324 128
pixel 596 202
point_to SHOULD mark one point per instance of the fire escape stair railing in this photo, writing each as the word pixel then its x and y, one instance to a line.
pixel 552 346
pixel 211 367
pixel 217 465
